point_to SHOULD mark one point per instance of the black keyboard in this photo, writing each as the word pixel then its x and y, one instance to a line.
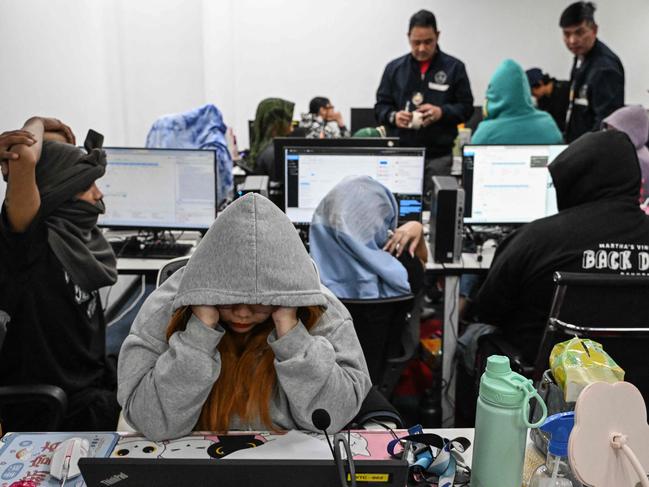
pixel 134 249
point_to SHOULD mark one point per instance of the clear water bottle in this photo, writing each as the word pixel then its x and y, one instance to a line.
pixel 501 425
pixel 556 471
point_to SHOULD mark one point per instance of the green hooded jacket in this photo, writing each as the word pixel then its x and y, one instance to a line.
pixel 510 115
pixel 270 111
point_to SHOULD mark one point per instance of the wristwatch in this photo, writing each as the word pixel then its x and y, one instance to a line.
pixel 392 117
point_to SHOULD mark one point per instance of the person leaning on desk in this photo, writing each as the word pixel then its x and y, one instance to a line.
pixel 243 337
pixel 53 260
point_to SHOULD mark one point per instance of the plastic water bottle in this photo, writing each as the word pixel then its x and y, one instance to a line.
pixel 501 425
pixel 556 471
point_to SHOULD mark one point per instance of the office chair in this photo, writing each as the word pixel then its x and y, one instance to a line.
pixel 387 324
pixel 52 399
pixel 612 309
pixel 170 268
pixel 376 409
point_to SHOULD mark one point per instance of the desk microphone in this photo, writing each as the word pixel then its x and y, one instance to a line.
pixel 321 420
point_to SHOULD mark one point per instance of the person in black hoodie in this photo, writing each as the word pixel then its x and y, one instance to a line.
pixel 53 261
pixel 599 228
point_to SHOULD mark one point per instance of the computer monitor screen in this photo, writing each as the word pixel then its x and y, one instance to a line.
pixel 281 143
pixel 508 183
pixel 312 171
pixel 159 188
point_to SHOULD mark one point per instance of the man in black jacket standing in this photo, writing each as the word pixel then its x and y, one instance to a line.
pixel 424 95
pixel 597 77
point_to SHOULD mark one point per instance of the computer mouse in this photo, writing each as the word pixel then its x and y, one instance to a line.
pixel 65 460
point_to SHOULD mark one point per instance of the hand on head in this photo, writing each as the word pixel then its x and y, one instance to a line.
pixel 285 320
pixel 11 138
pixel 57 130
pixel 209 315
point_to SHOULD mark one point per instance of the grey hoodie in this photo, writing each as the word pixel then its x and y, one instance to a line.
pixel 633 121
pixel 251 255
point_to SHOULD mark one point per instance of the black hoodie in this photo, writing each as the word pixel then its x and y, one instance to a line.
pixel 599 228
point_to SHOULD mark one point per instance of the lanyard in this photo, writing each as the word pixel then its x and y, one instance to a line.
pixel 431 458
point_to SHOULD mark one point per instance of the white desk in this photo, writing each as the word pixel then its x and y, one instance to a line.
pixel 146 266
pixel 469 264
pixel 139 266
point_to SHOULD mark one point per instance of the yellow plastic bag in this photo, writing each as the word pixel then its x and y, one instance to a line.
pixel 578 362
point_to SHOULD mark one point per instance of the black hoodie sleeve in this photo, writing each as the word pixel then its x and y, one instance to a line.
pixel 608 94
pixel 499 294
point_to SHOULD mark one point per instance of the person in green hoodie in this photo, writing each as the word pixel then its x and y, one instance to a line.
pixel 272 119
pixel 510 116
pixel 243 337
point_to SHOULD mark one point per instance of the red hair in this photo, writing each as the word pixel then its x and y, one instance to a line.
pixel 247 378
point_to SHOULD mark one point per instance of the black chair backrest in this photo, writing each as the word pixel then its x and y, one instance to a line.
pixel 170 268
pixel 51 400
pixel 611 309
pixel 377 408
pixel 379 325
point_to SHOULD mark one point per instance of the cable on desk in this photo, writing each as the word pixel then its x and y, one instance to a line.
pixel 446 385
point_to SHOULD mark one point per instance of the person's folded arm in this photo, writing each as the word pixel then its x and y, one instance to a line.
pixel 22 199
pixel 322 372
pixel 162 387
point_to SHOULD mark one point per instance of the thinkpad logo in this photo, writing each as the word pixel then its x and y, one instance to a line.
pixel 114 479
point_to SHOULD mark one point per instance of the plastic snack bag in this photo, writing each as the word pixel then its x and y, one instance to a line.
pixel 578 362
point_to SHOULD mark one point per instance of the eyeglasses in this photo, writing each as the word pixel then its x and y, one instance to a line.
pixel 255 308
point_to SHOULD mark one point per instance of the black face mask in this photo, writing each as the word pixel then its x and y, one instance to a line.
pixel 79 245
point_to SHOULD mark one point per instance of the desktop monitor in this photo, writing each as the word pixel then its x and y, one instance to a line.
pixel 159 189
pixel 281 143
pixel 508 184
pixel 312 171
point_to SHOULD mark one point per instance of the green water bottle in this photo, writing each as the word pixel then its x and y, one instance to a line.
pixel 501 425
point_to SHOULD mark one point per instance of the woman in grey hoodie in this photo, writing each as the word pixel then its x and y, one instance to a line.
pixel 243 337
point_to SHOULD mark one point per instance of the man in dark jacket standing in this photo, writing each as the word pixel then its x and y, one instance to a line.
pixel 599 229
pixel 597 77
pixel 424 95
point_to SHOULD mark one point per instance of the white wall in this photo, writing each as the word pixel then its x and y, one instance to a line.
pixel 115 65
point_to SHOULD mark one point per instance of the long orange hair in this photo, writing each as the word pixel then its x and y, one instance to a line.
pixel 247 378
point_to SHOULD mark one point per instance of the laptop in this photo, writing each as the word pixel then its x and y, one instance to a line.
pixel 138 472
